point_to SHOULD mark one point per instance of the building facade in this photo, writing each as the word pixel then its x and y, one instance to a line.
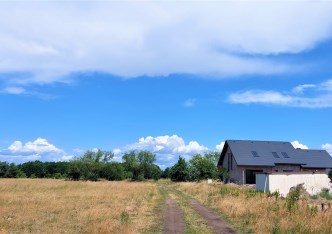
pixel 243 159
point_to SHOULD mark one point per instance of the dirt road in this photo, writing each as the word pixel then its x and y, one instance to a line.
pixel 212 218
pixel 184 214
pixel 174 222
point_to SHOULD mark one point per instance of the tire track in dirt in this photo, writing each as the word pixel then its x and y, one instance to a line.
pixel 174 221
pixel 212 218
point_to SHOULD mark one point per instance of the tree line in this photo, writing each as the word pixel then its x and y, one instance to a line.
pixel 135 165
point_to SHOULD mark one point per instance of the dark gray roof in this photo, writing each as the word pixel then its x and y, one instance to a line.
pixel 242 151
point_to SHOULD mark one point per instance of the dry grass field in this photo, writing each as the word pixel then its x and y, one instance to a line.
pixel 254 212
pixel 57 206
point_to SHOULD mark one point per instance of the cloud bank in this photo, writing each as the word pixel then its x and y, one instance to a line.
pixel 43 42
pixel 167 148
pixel 327 147
pixel 39 149
pixel 320 96
pixel 298 145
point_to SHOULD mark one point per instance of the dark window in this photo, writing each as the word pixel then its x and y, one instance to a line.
pixel 275 154
pixel 254 153
pixel 251 176
pixel 285 155
pixel 229 162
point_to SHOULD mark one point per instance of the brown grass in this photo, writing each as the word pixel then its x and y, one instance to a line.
pixel 258 213
pixel 57 206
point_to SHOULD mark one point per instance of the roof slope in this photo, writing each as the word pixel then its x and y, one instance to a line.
pixel 260 153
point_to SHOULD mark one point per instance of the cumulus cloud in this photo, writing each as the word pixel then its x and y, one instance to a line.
pixel 298 145
pixel 167 148
pixel 39 149
pixel 322 97
pixel 327 147
pixel 168 145
pixel 220 146
pixel 47 40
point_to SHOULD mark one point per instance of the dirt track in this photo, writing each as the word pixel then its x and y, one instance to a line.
pixel 174 222
pixel 174 217
pixel 212 218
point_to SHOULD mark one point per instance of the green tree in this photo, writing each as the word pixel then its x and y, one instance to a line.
pixel 4 167
pixel 156 172
pixel 140 165
pixel 180 171
pixel 146 160
pixel 166 173
pixel 113 171
pixel 203 167
pixel 75 170
pixel 131 165
pixel 34 169
pixel 12 171
pixel 213 157
pixel 89 166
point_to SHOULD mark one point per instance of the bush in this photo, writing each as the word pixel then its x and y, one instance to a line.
pixel 293 197
pixel 325 194
pixel 113 171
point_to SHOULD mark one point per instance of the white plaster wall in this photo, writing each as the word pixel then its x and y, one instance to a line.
pixel 313 183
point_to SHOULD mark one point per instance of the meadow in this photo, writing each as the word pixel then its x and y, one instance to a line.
pixel 59 206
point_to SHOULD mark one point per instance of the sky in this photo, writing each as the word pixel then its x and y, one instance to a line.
pixel 175 78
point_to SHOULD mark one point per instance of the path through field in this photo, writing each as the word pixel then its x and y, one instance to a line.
pixel 212 218
pixel 174 222
pixel 186 215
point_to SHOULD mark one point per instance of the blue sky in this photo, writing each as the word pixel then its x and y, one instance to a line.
pixel 172 78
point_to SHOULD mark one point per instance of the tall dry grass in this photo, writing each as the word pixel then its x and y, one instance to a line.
pixel 254 212
pixel 56 206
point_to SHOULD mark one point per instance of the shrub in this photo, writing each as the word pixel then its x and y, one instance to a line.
pixel 314 197
pixel 325 194
pixel 113 171
pixel 293 197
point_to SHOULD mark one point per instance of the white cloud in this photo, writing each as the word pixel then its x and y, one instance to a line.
pixel 301 88
pixel 189 103
pixel 40 149
pixel 49 40
pixel 258 96
pixel 328 148
pixel 220 146
pixel 298 145
pixel 14 90
pixel 167 148
pixel 168 145
pixel 326 85
pixel 78 151
pixel 322 97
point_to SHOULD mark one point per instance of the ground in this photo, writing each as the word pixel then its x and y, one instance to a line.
pixel 59 206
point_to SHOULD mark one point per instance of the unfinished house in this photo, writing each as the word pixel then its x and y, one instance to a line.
pixel 244 159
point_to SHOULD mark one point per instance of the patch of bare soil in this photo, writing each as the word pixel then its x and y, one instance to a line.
pixel 212 218
pixel 174 222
